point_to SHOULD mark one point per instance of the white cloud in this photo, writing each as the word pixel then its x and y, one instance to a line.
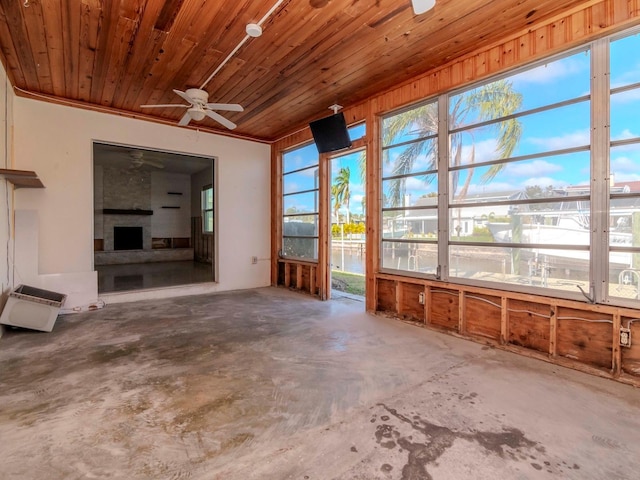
pixel 544 182
pixel 568 140
pixel 485 151
pixel 625 135
pixel 529 169
pixel 549 73
pixel 624 165
pixel 625 97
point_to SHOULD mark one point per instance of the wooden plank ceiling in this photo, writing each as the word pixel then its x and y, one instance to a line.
pixel 313 53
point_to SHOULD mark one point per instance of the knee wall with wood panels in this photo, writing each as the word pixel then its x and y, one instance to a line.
pixel 569 333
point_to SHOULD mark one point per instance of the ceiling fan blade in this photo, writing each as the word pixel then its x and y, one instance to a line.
pixel 153 163
pixel 184 96
pixel 186 118
pixel 220 119
pixel 231 107
pixel 421 6
pixel 165 105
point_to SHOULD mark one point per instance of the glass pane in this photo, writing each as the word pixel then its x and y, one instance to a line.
pixel 415 224
pixel 421 190
pixel 207 199
pixel 624 275
pixel 548 131
pixel 300 226
pixel 420 156
pixel 357 131
pixel 208 221
pixel 624 62
pixel 554 176
pixel 411 124
pixel 301 203
pixel 300 158
pixel 624 221
pixel 300 248
pixel 624 114
pixel 560 269
pixel 410 257
pixel 532 88
pixel 625 169
pixel 540 224
pixel 300 181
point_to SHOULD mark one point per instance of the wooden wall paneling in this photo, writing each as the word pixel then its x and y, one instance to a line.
pixel 299 276
pixel 372 215
pixel 287 274
pixel 444 311
pixel 529 325
pixel 504 320
pixel 553 331
pixel 427 302
pixel 386 296
pixel 616 353
pixel 312 280
pixel 631 356
pixel 585 336
pixel 276 211
pixel 408 303
pixel 399 297
pixel 483 316
pixel 324 228
pixel 462 327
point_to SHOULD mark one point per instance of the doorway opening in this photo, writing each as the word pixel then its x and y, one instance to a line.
pixel 347 240
pixel 154 218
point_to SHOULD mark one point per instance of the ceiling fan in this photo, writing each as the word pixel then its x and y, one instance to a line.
pixel 138 160
pixel 198 107
pixel 421 6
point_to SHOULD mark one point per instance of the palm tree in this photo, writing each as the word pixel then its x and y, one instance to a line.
pixel 340 190
pixel 485 103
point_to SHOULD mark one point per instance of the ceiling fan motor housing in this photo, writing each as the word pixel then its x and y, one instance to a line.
pixel 199 97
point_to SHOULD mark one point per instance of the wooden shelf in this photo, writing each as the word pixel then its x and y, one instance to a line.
pixel 22 178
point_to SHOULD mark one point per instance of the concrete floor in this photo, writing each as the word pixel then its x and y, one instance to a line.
pixel 270 384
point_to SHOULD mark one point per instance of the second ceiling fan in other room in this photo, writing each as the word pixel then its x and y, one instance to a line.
pixel 199 108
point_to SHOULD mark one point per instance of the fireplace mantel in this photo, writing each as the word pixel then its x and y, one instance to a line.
pixel 124 211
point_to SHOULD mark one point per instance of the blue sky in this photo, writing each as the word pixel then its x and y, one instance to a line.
pixel 565 127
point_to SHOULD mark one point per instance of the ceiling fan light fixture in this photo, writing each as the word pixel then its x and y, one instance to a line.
pixel 254 30
pixel 422 6
pixel 196 114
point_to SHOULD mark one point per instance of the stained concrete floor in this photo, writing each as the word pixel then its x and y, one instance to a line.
pixel 270 384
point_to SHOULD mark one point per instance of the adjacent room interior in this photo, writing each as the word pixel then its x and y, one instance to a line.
pixel 154 222
pixel 320 239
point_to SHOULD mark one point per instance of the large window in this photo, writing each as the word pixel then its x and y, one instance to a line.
pixel 529 188
pixel 300 203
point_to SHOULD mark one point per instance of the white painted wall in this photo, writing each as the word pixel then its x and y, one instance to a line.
pixel 6 203
pixel 56 142
pixel 168 222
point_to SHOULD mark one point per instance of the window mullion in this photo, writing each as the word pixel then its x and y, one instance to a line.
pixel 599 170
pixel 443 187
